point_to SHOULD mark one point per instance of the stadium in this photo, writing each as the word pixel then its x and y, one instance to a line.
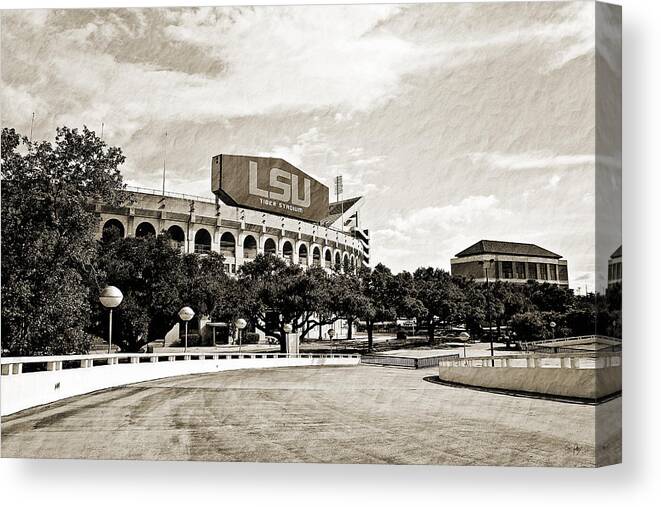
pixel 261 205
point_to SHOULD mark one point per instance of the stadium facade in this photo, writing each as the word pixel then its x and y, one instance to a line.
pixel 261 205
pixel 510 262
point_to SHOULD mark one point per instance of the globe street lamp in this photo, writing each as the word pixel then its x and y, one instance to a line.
pixel 287 328
pixel 486 264
pixel 186 314
pixel 240 325
pixel 552 324
pixel 110 297
pixel 464 337
pixel 331 333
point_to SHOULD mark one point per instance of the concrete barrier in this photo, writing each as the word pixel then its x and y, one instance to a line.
pixel 19 391
pixel 579 375
pixel 590 384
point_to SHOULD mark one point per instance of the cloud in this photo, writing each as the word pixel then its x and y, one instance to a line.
pixel 530 160
pixel 425 236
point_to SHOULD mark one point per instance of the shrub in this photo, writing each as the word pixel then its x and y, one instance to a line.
pixel 250 338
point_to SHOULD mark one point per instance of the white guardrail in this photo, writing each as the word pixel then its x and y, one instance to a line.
pixel 31 381
pixel 588 360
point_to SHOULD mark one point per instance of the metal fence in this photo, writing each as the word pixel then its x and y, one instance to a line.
pixel 406 362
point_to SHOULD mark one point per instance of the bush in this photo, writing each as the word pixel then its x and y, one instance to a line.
pixel 529 326
pixel 401 335
pixel 250 338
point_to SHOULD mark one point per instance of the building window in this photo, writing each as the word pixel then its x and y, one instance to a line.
pixel 228 245
pixel 145 229
pixel 316 256
pixel 288 251
pixel 506 269
pixel 532 271
pixel 176 237
pixel 303 255
pixel 552 271
pixel 202 241
pixel 562 273
pixel 269 247
pixel 113 229
pixel 328 259
pixel 543 274
pixel 520 270
pixel 249 247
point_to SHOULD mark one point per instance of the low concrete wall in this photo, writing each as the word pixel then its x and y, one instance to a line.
pixel 593 383
pixel 27 390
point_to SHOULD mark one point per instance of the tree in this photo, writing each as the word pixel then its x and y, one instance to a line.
pixel 439 296
pixel 48 229
pixel 150 274
pixel 472 310
pixel 346 300
pixel 378 288
pixel 530 326
pixel 507 301
pixel 275 286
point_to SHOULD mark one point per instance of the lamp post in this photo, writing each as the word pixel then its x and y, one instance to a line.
pixel 464 337
pixel 287 328
pixel 110 297
pixel 552 324
pixel 486 264
pixel 331 333
pixel 240 325
pixel 186 314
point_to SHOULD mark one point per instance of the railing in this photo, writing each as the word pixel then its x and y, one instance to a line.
pixel 576 360
pixel 405 362
pixel 594 337
pixel 554 345
pixel 15 365
pixel 153 191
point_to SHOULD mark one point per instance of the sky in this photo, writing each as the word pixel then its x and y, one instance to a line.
pixel 456 122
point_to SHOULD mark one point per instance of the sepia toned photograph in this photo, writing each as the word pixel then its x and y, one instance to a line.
pixel 353 234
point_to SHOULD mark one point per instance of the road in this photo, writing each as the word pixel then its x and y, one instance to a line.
pixel 359 414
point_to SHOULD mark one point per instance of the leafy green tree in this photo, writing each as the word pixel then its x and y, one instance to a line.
pixel 48 229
